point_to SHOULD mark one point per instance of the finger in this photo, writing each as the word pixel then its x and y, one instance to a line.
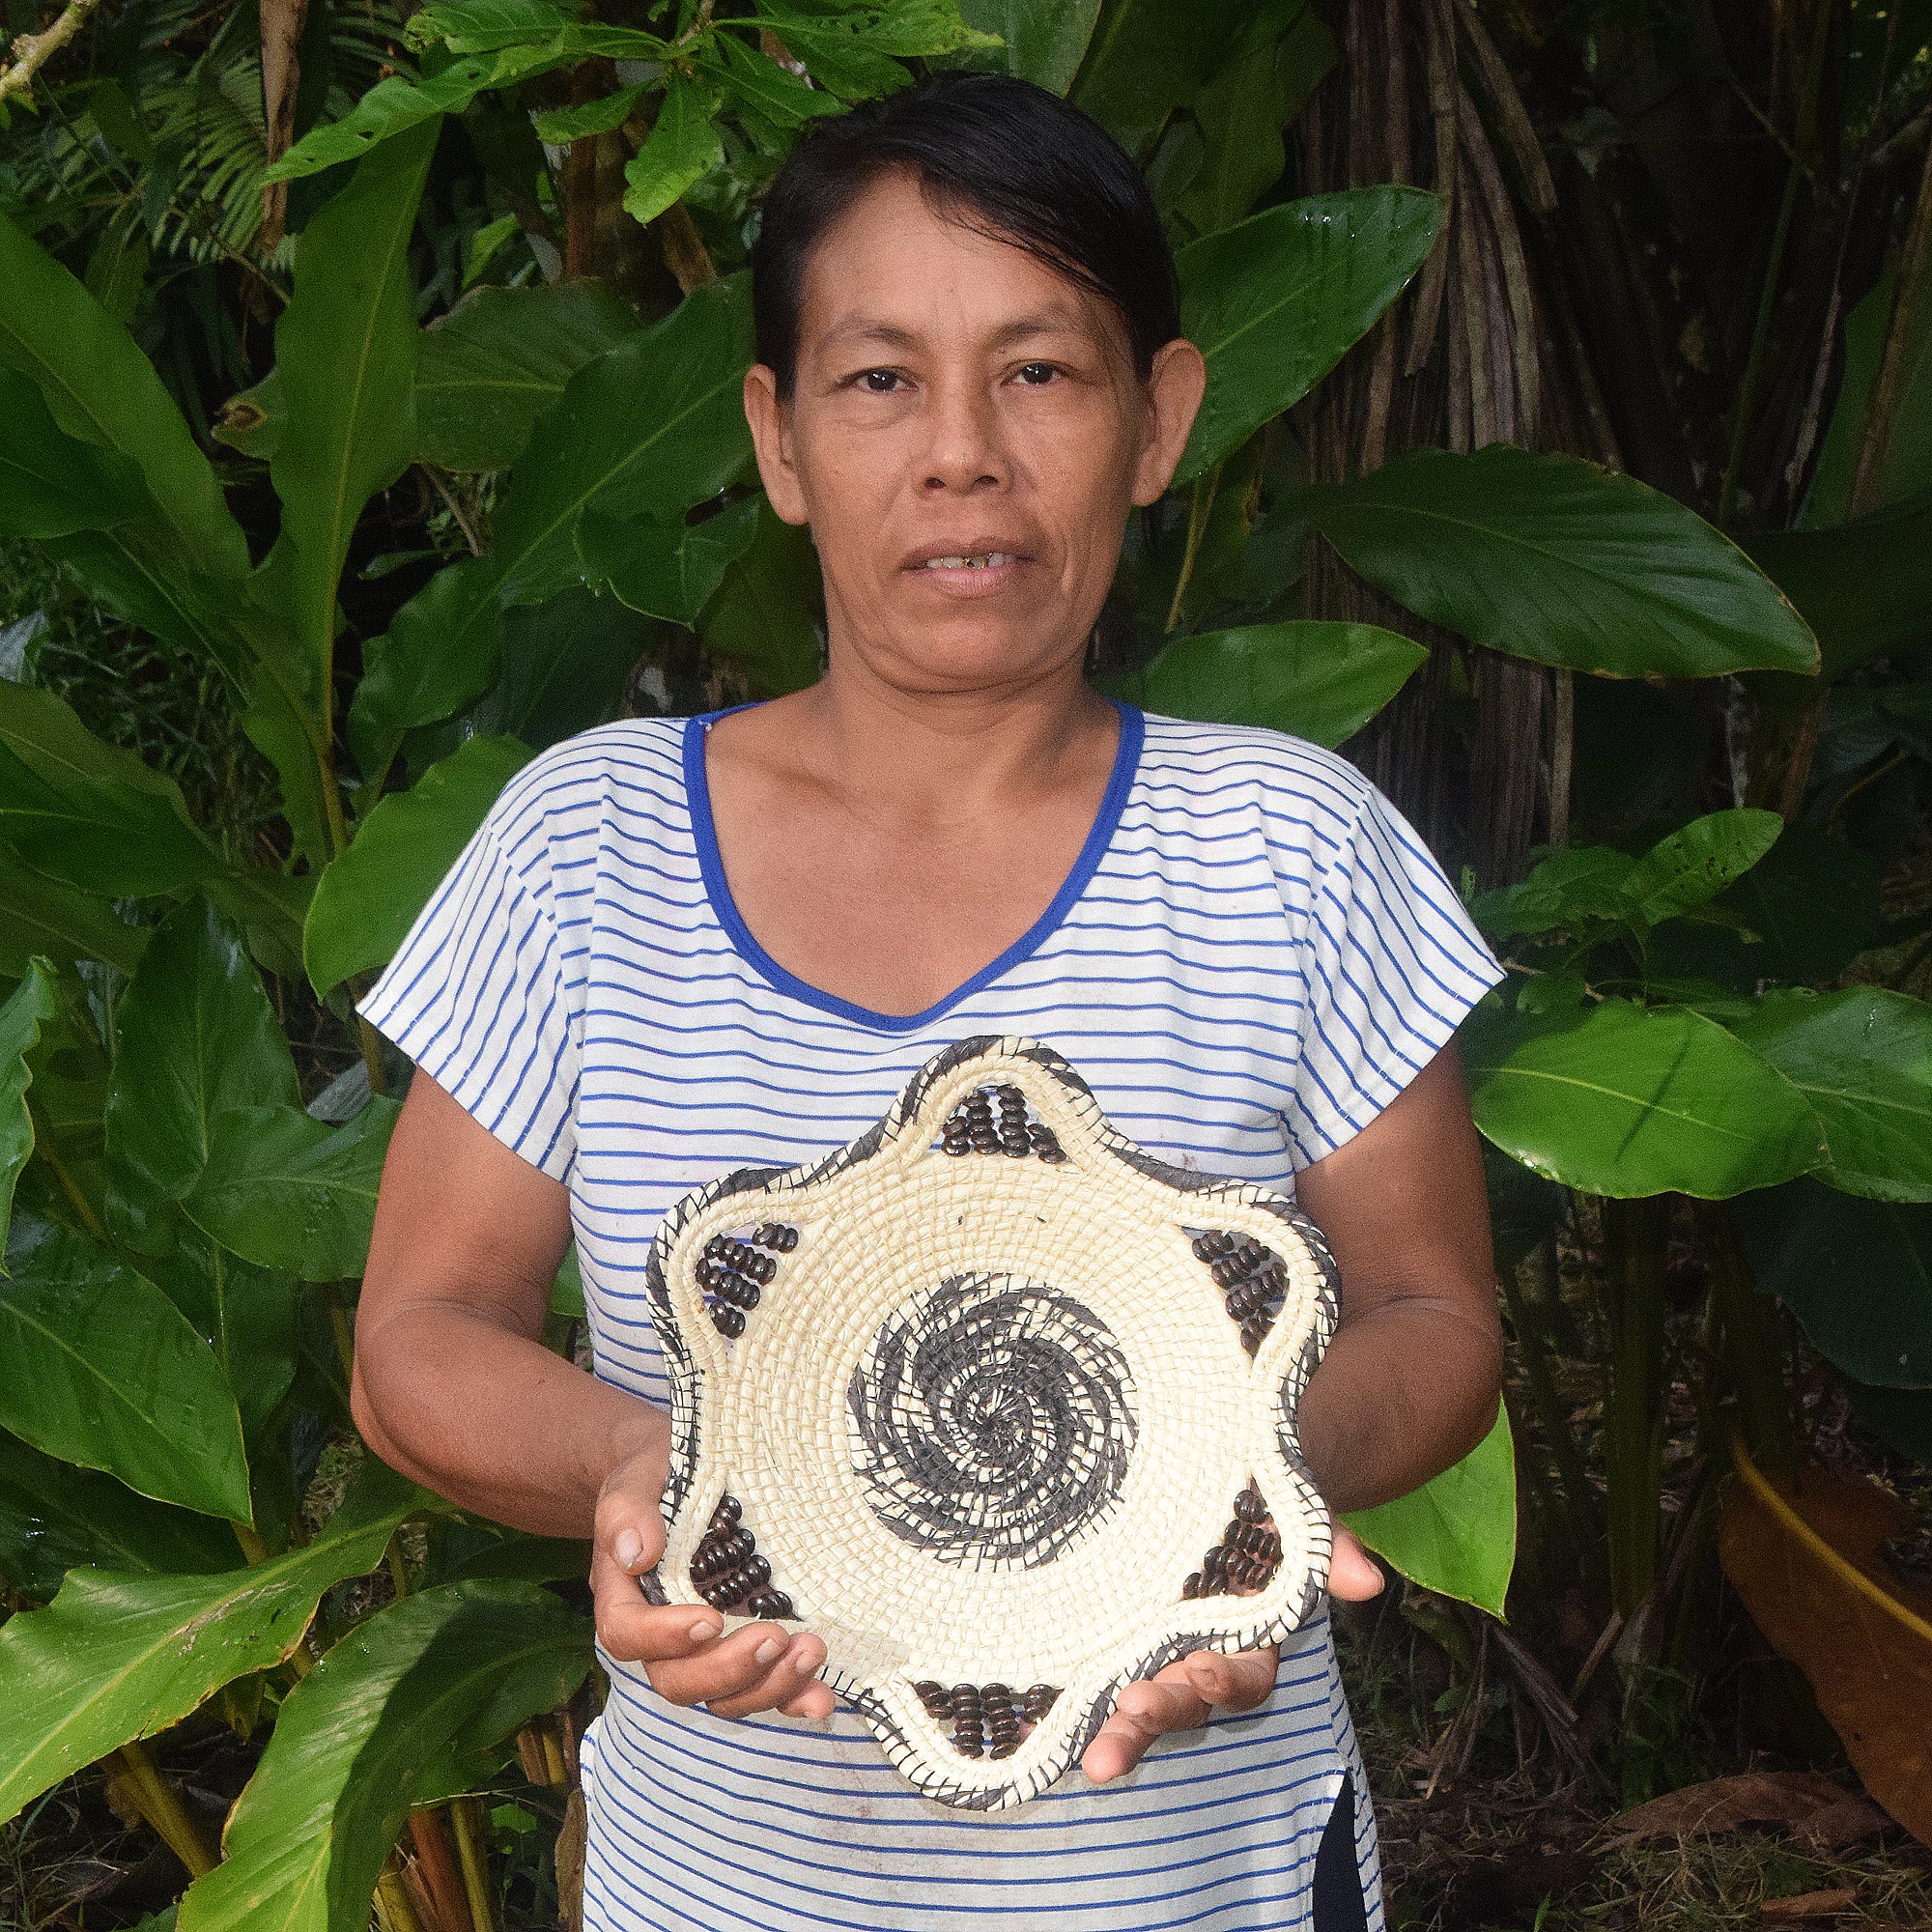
pixel 792 1678
pixel 1353 1574
pixel 1237 1683
pixel 734 1667
pixel 1143 1713
pixel 629 1529
pixel 635 1630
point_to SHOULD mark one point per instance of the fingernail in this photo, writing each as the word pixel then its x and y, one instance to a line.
pixel 803 1663
pixel 699 1632
pixel 628 1548
pixel 767 1650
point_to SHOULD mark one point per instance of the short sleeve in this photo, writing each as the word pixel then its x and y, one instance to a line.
pixel 477 995
pixel 1394 962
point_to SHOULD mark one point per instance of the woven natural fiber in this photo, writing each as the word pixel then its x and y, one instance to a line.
pixel 980 1416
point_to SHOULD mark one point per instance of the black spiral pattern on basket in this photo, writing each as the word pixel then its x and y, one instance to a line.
pixel 992 1422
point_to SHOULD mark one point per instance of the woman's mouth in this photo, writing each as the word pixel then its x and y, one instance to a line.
pixel 989 559
pixel 981 573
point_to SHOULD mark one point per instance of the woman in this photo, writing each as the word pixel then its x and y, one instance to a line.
pixel 682 946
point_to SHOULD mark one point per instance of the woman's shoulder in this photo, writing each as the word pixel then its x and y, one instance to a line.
pixel 1190 766
pixel 638 760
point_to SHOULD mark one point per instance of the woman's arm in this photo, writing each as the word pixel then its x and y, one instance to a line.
pixel 453 1386
pixel 1408 1385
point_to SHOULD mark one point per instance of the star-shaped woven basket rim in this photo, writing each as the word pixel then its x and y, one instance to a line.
pixel 711 1385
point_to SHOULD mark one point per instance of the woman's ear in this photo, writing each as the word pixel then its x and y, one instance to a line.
pixel 770 440
pixel 1174 386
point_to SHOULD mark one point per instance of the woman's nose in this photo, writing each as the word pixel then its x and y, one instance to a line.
pixel 966 450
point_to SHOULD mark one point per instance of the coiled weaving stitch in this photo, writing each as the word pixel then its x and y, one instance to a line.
pixel 973 1396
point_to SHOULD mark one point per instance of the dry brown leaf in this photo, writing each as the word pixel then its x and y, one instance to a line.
pixel 1808 1905
pixel 1792 1798
pixel 1805 1560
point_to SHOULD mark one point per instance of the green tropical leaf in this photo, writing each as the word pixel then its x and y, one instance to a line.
pixel 1569 889
pixel 40 914
pixel 1863 1060
pixel 485 26
pixel 1903 1417
pixel 647 430
pixel 1455 1534
pixel 51 483
pixel 1864 588
pixel 561 125
pixel 391 1718
pixel 1857 1275
pixel 345 353
pixel 1692 866
pixel 197 1039
pixel 440 650
pixel 56 1517
pixel 1630 1101
pixel 1557 559
pixel 683 144
pixel 1322 681
pixel 369 897
pixel 566 664
pixel 1149 57
pixel 498 360
pixel 247 1314
pixel 98 1368
pixel 763 90
pixel 664 570
pixel 1813 901
pixel 1274 302
pixel 761 615
pixel 290 1192
pixel 117 1656
pixel 29 1006
pixel 1042 40
pixel 99 834
pixel 102 390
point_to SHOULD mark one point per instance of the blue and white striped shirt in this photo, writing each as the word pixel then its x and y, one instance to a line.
pixel 1252 956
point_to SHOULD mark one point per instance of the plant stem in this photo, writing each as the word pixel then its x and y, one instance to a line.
pixel 392 1900
pixel 33 51
pixel 472 1853
pixel 250 1540
pixel 1198 506
pixel 159 1804
pixel 1804 137
pixel 1748 1340
pixel 1573 1481
pixel 1634 1237
pixel 436 1865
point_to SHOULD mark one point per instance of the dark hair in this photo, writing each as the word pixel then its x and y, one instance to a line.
pixel 1008 157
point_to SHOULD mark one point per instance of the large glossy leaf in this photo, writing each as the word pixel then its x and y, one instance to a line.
pixel 389 1719
pixel 1630 1101
pixel 52 483
pixel 683 144
pixel 439 652
pixel 1568 888
pixel 1322 681
pixel 762 614
pixel 498 360
pixel 247 1313
pixel 566 662
pixel 102 389
pixel 1691 866
pixel 1812 900
pixel 1857 1275
pixel 1863 1060
pixel 368 898
pixel 647 430
pixel 98 1367
pixel 1147 58
pixel 1905 465
pixel 1553 558
pixel 1275 301
pixel 55 1517
pixel 118 1656
pixel 287 1191
pixel 197 1037
pixel 1865 588
pixel 664 570
pixel 1455 1534
pixel 28 1008
pixel 43 915
pixel 1043 39
pixel 346 355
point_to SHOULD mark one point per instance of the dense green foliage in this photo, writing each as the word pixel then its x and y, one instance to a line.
pixel 192 1123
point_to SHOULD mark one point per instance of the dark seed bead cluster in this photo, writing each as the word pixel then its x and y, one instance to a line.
pixel 733 1273
pixel 985 1718
pixel 728 1573
pixel 973 1128
pixel 1253 1278
pixel 1247 1557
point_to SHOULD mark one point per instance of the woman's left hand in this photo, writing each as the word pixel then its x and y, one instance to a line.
pixel 1178 1697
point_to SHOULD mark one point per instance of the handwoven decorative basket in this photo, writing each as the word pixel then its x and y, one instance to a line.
pixel 1000 1406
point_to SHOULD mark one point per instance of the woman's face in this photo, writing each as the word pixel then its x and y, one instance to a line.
pixel 965 437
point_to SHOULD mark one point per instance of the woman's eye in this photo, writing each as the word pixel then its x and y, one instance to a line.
pixel 1038 373
pixel 880 382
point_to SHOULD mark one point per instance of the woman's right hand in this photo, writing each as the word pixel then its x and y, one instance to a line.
pixel 763 1667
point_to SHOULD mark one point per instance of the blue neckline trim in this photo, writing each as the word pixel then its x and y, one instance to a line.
pixel 704 833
